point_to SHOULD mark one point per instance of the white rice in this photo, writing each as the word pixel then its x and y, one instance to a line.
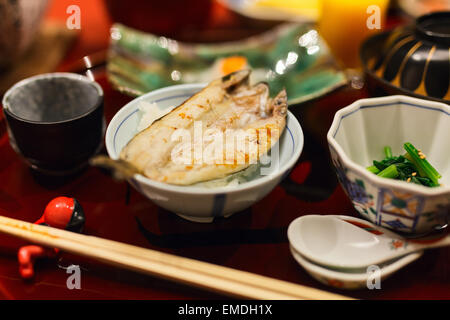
pixel 149 112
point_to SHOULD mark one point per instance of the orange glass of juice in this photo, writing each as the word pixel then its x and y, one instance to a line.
pixel 344 24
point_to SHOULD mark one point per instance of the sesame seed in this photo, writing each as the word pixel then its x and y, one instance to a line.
pixel 422 157
pixel 408 180
pixel 414 174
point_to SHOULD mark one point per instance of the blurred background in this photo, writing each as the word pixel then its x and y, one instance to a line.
pixel 36 39
pixel 183 19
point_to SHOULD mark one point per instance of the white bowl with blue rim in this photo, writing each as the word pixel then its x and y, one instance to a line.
pixel 358 135
pixel 199 203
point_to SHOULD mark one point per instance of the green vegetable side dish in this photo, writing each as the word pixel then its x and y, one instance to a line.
pixel 410 167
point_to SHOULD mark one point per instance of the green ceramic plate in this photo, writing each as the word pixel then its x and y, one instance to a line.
pixel 290 56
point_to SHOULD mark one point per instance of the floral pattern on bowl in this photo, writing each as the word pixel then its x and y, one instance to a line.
pixel 358 132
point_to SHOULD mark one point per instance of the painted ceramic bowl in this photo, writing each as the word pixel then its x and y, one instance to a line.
pixel 412 60
pixel 358 136
pixel 291 56
pixel 199 203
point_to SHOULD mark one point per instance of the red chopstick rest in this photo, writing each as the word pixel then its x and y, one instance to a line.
pixel 28 254
pixel 61 212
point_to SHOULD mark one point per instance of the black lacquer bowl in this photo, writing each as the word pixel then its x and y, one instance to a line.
pixel 412 60
pixel 55 121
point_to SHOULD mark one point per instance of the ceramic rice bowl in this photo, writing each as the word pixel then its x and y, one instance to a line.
pixel 200 204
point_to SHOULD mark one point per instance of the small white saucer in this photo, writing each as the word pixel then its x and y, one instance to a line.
pixel 354 279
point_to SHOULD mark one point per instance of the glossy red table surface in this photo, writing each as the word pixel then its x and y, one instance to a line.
pixel 253 240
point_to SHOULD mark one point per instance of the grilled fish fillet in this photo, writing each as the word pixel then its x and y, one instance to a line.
pixel 227 107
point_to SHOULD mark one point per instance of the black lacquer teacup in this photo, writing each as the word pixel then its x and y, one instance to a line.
pixel 55 121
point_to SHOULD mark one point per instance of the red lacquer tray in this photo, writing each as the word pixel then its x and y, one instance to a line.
pixel 253 240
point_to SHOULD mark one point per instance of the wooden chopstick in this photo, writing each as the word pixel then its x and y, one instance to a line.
pixel 204 275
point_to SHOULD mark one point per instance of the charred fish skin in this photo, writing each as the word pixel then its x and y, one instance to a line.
pixel 228 104
pixel 236 79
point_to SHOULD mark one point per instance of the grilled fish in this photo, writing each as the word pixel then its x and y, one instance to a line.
pixel 221 130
